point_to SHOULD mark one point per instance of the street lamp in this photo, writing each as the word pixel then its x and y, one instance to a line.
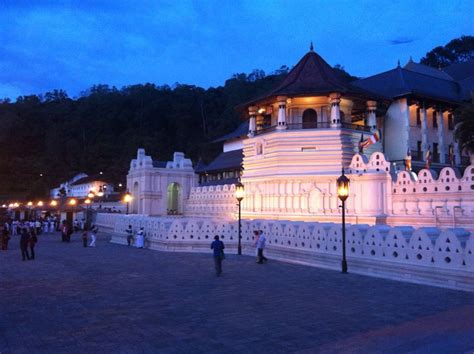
pixel 239 195
pixel 343 193
pixel 72 202
pixel 127 198
pixel 91 194
pixel 53 203
pixel 100 193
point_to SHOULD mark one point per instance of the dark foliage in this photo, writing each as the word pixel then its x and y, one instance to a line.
pixel 464 132
pixel 457 50
pixel 47 139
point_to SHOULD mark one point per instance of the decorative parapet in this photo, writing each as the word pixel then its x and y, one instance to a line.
pixel 213 201
pixel 377 163
pixel 425 255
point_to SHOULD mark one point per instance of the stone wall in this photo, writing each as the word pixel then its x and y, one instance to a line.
pixel 212 201
pixel 425 255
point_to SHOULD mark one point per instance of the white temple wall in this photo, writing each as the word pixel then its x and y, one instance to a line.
pixel 425 255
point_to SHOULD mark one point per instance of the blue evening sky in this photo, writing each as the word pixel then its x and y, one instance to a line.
pixel 72 45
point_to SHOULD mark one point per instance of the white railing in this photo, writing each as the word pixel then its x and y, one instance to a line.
pixel 426 255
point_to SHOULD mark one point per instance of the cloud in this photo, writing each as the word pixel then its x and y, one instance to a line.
pixel 401 40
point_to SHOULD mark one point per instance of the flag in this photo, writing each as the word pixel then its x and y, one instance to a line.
pixel 428 158
pixel 408 160
pixel 451 154
pixel 371 140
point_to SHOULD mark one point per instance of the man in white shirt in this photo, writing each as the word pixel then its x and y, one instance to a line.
pixel 260 247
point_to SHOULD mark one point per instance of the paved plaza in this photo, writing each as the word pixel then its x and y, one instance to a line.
pixel 118 299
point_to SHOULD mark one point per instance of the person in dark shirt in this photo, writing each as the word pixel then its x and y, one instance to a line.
pixel 24 241
pixel 218 247
pixel 32 242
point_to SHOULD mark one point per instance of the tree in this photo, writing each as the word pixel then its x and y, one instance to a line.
pixel 456 51
pixel 464 131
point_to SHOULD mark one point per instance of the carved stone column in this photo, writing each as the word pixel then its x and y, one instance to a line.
pixel 441 142
pixel 371 115
pixel 424 130
pixel 281 112
pixel 335 100
pixel 252 120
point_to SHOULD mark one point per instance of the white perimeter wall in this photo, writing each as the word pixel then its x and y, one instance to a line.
pixel 425 255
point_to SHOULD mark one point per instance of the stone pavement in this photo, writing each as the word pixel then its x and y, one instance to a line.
pixel 123 300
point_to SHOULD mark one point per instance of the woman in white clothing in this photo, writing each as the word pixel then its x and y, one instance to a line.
pixel 140 239
pixel 94 230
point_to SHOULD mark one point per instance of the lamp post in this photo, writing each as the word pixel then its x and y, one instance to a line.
pixel 127 198
pixel 343 193
pixel 239 195
pixel 88 201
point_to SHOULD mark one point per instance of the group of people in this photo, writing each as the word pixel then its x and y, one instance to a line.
pixel 28 232
pixel 41 225
pixel 218 250
pixel 138 239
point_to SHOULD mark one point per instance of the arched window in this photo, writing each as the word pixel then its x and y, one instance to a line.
pixel 310 119
pixel 173 198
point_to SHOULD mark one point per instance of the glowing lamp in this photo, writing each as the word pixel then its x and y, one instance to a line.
pixel 127 198
pixel 100 193
pixel 87 201
pixel 16 205
pixel 343 187
pixel 239 191
pixel 40 203
pixel 53 203
pixel 91 194
pixel 30 204
pixel 72 202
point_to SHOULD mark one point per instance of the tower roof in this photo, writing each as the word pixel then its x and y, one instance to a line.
pixel 312 75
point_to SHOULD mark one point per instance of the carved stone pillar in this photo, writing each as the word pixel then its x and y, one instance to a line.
pixel 252 121
pixel 335 100
pixel 281 112
pixel 424 130
pixel 442 144
pixel 371 115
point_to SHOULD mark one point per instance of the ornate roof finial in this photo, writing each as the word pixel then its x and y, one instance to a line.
pixel 398 64
pixel 311 48
pixel 411 60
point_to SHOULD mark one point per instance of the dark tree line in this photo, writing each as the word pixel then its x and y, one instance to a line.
pixel 456 51
pixel 47 139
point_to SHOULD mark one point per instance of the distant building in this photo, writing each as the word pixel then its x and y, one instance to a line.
pixel 81 184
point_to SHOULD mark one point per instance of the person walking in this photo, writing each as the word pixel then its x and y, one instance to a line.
pixel 261 247
pixel 24 240
pixel 32 243
pixel 84 237
pixel 129 233
pixel 94 231
pixel 218 250
pixel 256 235
pixel 5 239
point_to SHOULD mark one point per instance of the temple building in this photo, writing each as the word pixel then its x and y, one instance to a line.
pixel 392 132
